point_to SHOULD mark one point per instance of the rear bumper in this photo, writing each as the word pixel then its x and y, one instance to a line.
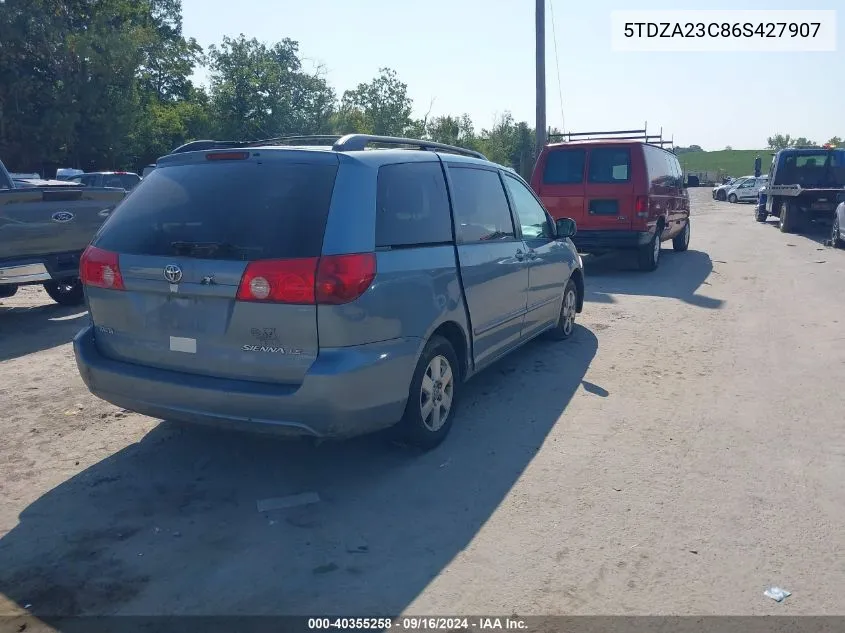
pixel 611 240
pixel 347 392
pixel 35 270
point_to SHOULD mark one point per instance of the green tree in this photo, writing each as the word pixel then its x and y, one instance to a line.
pixel 261 91
pixel 780 141
pixel 835 141
pixel 381 106
pixel 802 141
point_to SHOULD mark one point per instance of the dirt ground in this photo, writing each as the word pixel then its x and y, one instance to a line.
pixel 681 454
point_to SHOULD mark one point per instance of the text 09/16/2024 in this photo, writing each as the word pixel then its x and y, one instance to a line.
pixel 723 31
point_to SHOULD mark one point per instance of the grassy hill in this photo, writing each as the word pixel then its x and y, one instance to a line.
pixel 735 162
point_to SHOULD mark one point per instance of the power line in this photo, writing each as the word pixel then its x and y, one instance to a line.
pixel 557 64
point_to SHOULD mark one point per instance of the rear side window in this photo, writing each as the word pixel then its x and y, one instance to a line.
pixel 610 165
pixel 242 211
pixel 564 167
pixel 412 205
pixel 481 207
pixel 660 170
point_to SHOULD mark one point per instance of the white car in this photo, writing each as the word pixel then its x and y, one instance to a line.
pixel 721 191
pixel 748 190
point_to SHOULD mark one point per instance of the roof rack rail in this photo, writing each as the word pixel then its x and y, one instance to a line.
pixel 328 139
pixel 357 142
pixel 348 143
pixel 199 146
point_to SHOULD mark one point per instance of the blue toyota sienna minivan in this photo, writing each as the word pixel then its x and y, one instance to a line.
pixel 323 290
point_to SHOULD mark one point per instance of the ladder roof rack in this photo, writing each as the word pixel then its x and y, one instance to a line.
pixel 617 135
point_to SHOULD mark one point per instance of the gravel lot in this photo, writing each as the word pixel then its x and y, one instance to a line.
pixel 678 456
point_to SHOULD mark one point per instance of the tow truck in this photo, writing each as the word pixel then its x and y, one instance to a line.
pixel 805 184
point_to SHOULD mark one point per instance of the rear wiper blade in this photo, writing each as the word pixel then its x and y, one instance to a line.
pixel 210 249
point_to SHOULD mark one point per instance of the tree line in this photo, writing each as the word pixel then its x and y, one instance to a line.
pixel 783 141
pixel 106 84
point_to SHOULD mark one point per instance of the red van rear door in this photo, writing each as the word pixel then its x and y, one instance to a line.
pixel 559 181
pixel 610 198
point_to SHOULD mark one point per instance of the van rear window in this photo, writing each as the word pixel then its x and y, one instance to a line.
pixel 610 165
pixel 242 211
pixel 564 167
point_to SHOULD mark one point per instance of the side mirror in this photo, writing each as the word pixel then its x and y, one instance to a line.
pixel 565 227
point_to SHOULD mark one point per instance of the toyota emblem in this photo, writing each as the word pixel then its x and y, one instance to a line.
pixel 173 273
pixel 62 216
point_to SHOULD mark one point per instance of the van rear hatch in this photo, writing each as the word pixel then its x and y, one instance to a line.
pixel 592 184
pixel 209 266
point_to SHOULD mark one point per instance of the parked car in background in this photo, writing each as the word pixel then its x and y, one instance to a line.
pixel 147 170
pixel 320 291
pixel 118 179
pixel 66 173
pixel 721 192
pixel 624 195
pixel 44 227
pixel 748 190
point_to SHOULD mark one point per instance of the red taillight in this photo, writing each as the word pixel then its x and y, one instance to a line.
pixel 279 281
pixel 344 278
pixel 334 279
pixel 227 156
pixel 100 269
pixel 641 206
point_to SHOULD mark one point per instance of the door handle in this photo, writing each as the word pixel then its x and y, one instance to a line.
pixel 519 254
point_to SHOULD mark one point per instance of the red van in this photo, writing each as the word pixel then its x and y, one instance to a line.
pixel 622 194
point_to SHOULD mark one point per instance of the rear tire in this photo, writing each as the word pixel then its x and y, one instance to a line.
pixel 648 256
pixel 787 222
pixel 432 396
pixel 66 292
pixel 835 239
pixel 568 309
pixel 732 198
pixel 680 242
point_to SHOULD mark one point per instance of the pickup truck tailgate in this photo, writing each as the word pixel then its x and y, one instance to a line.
pixel 41 221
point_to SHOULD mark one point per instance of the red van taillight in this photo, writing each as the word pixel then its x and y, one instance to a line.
pixel 334 279
pixel 641 206
pixel 100 269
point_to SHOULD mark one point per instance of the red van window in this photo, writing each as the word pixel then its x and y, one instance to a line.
pixel 610 165
pixel 564 167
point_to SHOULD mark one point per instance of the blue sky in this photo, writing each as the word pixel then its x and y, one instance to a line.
pixel 477 56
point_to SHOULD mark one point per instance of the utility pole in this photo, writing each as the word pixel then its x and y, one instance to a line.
pixel 540 38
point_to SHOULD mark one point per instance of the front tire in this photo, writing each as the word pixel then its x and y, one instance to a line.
pixel 760 214
pixel 568 309
pixel 680 242
pixel 66 292
pixel 720 196
pixel 648 257
pixel 732 198
pixel 432 395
